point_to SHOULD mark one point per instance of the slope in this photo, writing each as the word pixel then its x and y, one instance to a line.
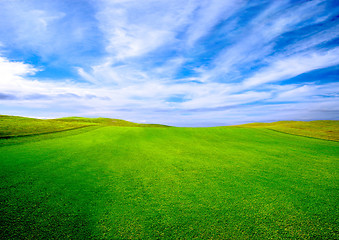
pixel 14 126
pixel 323 129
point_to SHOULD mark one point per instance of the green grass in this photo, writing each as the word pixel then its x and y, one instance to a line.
pixel 13 126
pixel 170 183
pixel 108 122
pixel 324 129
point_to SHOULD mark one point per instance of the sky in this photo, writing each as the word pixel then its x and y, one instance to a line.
pixel 181 63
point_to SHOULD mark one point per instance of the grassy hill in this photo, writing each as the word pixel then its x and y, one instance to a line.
pixel 107 122
pixel 13 126
pixel 169 183
pixel 324 129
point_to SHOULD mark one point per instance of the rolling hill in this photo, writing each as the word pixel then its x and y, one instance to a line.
pixel 14 126
pixel 323 129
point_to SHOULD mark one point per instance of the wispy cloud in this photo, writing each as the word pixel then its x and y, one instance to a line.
pixel 285 68
pixel 135 28
pixel 52 30
pixel 256 41
pixel 207 15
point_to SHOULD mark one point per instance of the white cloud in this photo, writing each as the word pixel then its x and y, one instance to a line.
pixel 51 30
pixel 221 99
pixel 147 100
pixel 134 28
pixel 31 26
pixel 314 40
pixel 11 70
pixel 293 66
pixel 208 14
pixel 255 41
pixel 309 92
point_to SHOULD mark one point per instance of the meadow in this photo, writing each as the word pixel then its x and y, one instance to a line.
pixel 103 181
pixel 323 129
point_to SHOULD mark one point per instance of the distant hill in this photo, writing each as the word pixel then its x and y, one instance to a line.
pixel 14 126
pixel 107 122
pixel 323 129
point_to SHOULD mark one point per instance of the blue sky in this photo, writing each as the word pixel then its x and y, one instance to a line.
pixel 182 63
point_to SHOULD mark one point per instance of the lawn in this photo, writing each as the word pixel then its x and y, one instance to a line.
pixel 108 182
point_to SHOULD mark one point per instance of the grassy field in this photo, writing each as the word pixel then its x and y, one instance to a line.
pixel 13 126
pixel 324 129
pixel 108 182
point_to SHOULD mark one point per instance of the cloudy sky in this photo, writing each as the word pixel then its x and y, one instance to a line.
pixel 182 63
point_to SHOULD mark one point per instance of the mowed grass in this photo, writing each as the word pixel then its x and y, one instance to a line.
pixel 323 129
pixel 169 183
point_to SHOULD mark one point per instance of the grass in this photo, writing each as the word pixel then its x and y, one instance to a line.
pixel 13 126
pixel 108 122
pixel 324 129
pixel 108 182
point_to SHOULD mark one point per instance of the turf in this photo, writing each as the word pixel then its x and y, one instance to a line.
pixel 323 129
pixel 170 183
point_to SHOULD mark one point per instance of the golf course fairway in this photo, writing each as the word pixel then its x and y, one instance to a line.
pixel 109 182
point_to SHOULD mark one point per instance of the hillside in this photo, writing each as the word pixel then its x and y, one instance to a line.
pixel 324 129
pixel 14 126
pixel 107 122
